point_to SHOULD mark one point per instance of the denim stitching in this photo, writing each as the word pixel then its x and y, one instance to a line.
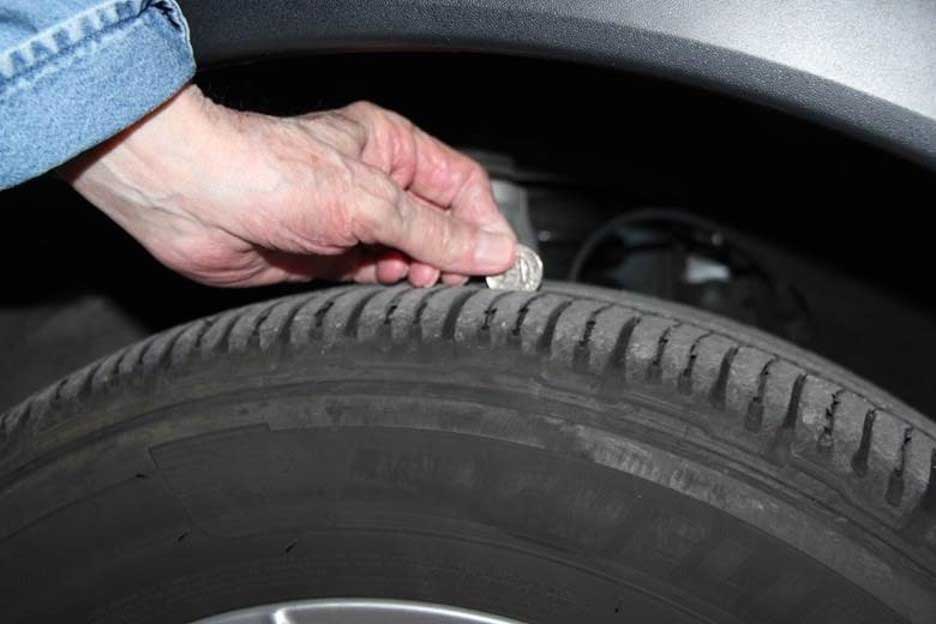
pixel 123 15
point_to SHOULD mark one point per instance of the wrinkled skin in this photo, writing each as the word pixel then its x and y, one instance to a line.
pixel 242 199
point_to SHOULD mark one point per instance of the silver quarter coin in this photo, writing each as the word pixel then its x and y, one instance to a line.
pixel 525 274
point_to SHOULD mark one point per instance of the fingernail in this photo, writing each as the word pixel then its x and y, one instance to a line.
pixel 494 253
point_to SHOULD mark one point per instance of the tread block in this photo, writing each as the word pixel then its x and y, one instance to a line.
pixel 184 345
pixel 610 337
pixel 679 347
pixel 469 319
pixel 868 453
pixel 814 426
pixel 746 384
pixel 887 462
pixel 647 343
pixel 106 372
pixel 377 313
pixel 710 353
pixel 247 327
pixel 848 427
pixel 406 318
pixel 539 321
pixel 215 338
pixel 509 315
pixel 779 386
pixel 308 319
pixel 917 471
pixel 573 334
pixel 132 358
pixel 340 320
pixel 160 348
pixel 78 384
pixel 277 322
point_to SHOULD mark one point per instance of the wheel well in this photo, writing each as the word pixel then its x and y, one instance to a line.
pixel 829 215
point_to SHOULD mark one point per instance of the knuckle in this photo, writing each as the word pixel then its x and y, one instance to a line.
pixel 355 131
pixel 475 174
pixel 363 108
pixel 399 120
pixel 476 171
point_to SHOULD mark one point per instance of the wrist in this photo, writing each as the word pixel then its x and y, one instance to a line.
pixel 165 133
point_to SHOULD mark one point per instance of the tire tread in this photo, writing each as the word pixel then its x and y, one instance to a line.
pixel 776 407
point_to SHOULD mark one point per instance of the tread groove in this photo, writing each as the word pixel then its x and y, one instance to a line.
pixel 720 389
pixel 451 315
pixel 225 339
pixel 392 306
pixel 253 337
pixel 385 329
pixel 783 440
pixel 895 483
pixel 484 332
pixel 618 358
pixel 138 360
pixel 282 336
pixel 164 362
pixel 928 500
pixel 826 437
pixel 321 312
pixel 515 331
pixel 685 377
pixel 585 332
pixel 793 409
pixel 754 419
pixel 296 334
pixel 86 389
pixel 57 393
pixel 545 342
pixel 351 327
pixel 860 458
pixel 206 325
pixel 318 319
pixel 654 370
pixel 582 352
pixel 416 327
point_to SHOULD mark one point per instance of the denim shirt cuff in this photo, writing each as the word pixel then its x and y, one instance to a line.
pixel 70 87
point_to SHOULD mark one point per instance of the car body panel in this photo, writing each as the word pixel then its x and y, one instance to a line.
pixel 867 67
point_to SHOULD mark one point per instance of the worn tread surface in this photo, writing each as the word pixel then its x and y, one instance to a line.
pixel 823 435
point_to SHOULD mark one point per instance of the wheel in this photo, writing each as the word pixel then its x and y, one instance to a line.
pixel 573 455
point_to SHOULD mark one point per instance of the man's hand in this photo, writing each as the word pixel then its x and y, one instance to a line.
pixel 242 199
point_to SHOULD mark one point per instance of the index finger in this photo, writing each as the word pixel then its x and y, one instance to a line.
pixel 428 168
pixel 384 213
pixel 452 180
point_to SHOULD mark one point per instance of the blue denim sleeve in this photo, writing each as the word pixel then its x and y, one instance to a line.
pixel 76 72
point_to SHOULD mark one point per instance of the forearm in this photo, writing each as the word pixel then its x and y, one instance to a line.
pixel 75 72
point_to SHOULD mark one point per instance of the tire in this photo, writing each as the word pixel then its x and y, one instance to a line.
pixel 574 455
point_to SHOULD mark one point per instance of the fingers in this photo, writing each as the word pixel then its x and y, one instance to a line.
pixel 454 279
pixel 427 167
pixel 392 266
pixel 402 189
pixel 451 180
pixel 422 275
pixel 360 264
pixel 437 238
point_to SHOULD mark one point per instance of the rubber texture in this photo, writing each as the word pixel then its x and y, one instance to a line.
pixel 592 455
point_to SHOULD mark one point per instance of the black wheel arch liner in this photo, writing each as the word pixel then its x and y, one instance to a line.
pixel 865 67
